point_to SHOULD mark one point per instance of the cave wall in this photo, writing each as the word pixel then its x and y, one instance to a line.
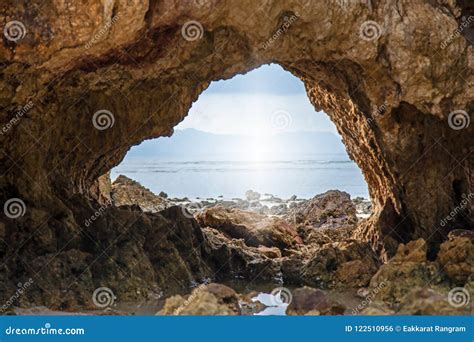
pixel 388 73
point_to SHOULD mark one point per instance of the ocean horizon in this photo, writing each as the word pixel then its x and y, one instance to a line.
pixel 211 176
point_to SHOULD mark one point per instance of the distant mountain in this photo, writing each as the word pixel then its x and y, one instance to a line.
pixel 191 142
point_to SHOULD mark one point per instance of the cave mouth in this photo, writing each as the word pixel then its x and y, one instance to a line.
pixel 254 137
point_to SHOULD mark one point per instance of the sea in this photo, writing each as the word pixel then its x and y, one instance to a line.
pixel 213 176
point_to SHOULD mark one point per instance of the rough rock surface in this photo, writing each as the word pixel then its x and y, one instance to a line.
pixel 331 209
pixel 253 228
pixel 212 299
pixel 340 264
pixel 409 269
pixel 392 97
pixel 232 258
pixel 126 191
pixel 456 258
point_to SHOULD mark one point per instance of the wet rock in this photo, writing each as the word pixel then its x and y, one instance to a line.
pixel 428 301
pixel 306 299
pixel 213 299
pixel 456 258
pixel 252 195
pixel 408 269
pixel 254 228
pixel 126 191
pixel 331 209
pixel 431 301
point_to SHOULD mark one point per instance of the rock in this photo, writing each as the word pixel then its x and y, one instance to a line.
pixel 322 236
pixel 306 299
pixel 270 252
pixel 292 198
pixel 408 269
pixel 101 189
pixel 454 234
pixel 213 299
pixel 428 301
pixel 456 258
pixel 252 195
pixel 280 210
pixel 163 194
pixel 232 258
pixel 337 265
pixel 331 209
pixel 126 191
pixel 254 228
pixel 363 206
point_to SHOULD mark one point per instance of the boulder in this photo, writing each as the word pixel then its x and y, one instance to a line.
pixel 331 209
pixel 253 228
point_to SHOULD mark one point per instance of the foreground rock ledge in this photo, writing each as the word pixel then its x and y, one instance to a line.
pixel 390 98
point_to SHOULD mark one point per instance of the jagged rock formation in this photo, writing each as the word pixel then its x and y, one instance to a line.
pixel 126 191
pixel 253 228
pixel 82 84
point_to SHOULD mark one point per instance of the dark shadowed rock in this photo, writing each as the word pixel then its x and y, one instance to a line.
pixel 232 258
pixel 253 228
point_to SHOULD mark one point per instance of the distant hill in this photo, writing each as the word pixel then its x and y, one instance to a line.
pixel 191 142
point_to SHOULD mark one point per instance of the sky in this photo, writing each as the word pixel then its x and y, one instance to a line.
pixel 264 101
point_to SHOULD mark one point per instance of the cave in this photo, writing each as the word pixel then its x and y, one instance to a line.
pixel 81 85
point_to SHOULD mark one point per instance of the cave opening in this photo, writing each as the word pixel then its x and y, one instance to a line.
pixel 253 142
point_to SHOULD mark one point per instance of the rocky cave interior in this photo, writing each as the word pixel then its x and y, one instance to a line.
pixel 417 167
